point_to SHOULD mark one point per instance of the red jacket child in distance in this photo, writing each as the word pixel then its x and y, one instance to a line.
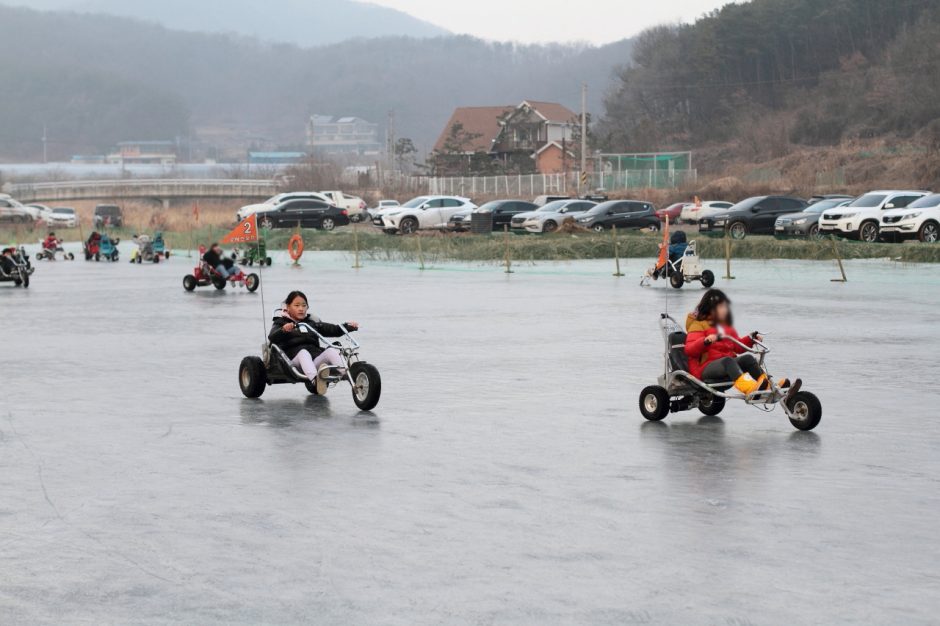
pixel 713 356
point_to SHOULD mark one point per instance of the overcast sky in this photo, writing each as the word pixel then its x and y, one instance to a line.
pixel 596 21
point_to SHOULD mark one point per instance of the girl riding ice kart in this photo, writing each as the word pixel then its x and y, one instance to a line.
pixel 711 363
pixel 298 351
pixel 51 246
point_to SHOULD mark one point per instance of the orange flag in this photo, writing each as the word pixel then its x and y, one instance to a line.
pixel 245 232
pixel 664 249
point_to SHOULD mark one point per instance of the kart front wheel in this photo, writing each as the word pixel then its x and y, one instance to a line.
pixel 189 282
pixel 218 282
pixel 24 279
pixel 805 410
pixel 251 377
pixel 708 279
pixel 654 403
pixel 711 405
pixel 676 279
pixel 367 385
pixel 251 282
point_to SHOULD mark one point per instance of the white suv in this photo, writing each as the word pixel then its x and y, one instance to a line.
pixel 692 213
pixel 861 218
pixel 919 220
pixel 421 213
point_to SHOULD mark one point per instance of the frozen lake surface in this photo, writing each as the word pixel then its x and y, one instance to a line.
pixel 506 477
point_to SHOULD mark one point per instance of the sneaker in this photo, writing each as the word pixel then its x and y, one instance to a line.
pixel 322 386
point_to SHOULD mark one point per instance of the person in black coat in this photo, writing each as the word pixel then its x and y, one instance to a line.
pixel 302 346
pixel 214 257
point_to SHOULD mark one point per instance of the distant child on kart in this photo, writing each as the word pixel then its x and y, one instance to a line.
pixel 7 264
pixel 712 354
pixel 214 257
pixel 51 242
pixel 302 346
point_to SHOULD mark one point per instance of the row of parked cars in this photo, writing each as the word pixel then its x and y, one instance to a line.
pixel 15 212
pixel 883 215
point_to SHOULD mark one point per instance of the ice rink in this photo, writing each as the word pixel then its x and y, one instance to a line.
pixel 506 477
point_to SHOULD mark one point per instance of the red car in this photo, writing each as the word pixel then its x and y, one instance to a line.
pixel 673 211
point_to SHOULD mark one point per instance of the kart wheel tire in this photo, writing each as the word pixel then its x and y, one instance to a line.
pixel 708 279
pixel 97 257
pixel 189 282
pixel 929 232
pixel 738 230
pixel 252 378
pixel 328 224
pixel 654 403
pixel 806 411
pixel 868 232
pixel 311 387
pixel 166 255
pixel 676 279
pixel 711 405
pixel 252 281
pixel 218 282
pixel 114 256
pixel 549 227
pixel 267 261
pixel 70 256
pixel 408 226
pixel 367 386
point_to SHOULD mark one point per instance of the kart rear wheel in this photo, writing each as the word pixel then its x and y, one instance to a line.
pixel 70 256
pixel 189 282
pixel 251 282
pixel 711 405
pixel 654 403
pixel 367 385
pixel 708 279
pixel 252 378
pixel 676 279
pixel 805 410
pixel 311 387
pixel 218 282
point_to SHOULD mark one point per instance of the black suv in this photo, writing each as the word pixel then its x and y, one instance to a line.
pixel 622 214
pixel 755 215
pixel 108 215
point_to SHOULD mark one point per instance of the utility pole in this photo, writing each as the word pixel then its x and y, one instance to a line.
pixel 45 140
pixel 390 142
pixel 583 132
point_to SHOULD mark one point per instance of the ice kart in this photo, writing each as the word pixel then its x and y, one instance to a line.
pixel 15 267
pixel 106 249
pixel 149 250
pixel 274 368
pixel 680 391
pixel 255 254
pixel 51 249
pixel 204 275
pixel 680 264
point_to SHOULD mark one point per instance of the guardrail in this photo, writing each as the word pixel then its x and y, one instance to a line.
pixel 160 189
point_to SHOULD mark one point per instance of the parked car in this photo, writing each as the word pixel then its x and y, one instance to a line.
pixel 861 218
pixel 108 215
pixel 755 215
pixel 460 221
pixel 625 214
pixel 545 199
pixel 13 211
pixel 40 212
pixel 548 218
pixel 307 213
pixel 919 220
pixel 673 212
pixel 504 210
pixel 381 206
pixel 354 205
pixel 422 213
pixel 63 217
pixel 830 196
pixel 806 222
pixel 692 212
pixel 274 201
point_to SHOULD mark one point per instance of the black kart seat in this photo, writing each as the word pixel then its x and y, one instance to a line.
pixel 677 357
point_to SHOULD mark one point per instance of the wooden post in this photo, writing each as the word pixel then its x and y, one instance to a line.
pixel 613 234
pixel 420 251
pixel 835 250
pixel 728 275
pixel 508 250
pixel 356 247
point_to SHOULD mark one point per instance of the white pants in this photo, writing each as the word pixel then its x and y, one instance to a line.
pixel 310 366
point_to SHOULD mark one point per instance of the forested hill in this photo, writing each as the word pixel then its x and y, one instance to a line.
pixel 95 79
pixel 817 71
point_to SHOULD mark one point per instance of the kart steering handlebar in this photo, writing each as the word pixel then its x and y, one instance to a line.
pixel 352 342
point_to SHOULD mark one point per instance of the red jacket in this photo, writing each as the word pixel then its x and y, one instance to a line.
pixel 701 355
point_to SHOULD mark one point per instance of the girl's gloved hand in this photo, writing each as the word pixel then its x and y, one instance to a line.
pixel 352 325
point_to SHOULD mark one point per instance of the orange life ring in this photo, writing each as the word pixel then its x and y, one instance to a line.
pixel 295 247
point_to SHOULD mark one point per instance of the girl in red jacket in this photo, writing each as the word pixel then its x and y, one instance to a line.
pixel 714 357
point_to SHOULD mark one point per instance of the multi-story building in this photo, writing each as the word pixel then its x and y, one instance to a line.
pixel 328 135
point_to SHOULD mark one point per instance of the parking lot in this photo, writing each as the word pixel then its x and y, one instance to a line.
pixel 505 477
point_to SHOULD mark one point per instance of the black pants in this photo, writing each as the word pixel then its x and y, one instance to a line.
pixel 732 369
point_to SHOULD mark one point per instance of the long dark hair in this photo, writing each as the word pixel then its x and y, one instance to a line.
pixel 710 301
pixel 294 295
